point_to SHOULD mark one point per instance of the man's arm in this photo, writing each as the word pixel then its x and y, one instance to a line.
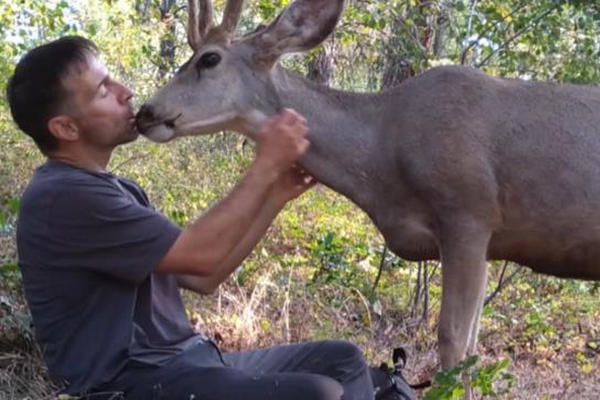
pixel 293 183
pixel 202 248
pixel 208 284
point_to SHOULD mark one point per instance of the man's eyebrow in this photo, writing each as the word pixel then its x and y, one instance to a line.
pixel 103 81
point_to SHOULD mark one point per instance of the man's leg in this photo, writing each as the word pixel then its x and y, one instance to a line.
pixel 336 359
pixel 200 374
pixel 222 383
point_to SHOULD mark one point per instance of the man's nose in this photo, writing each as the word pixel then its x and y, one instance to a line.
pixel 125 94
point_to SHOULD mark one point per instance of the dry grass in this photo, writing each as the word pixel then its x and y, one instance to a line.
pixel 22 373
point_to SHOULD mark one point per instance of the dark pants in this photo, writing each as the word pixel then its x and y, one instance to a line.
pixel 326 370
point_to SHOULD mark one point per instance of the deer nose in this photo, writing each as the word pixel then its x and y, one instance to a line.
pixel 144 118
pixel 146 112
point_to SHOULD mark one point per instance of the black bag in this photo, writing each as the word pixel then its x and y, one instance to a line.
pixel 388 382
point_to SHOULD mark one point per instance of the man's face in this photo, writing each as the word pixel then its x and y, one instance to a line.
pixel 99 106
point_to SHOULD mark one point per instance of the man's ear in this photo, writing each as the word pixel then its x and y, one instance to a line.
pixel 301 26
pixel 64 128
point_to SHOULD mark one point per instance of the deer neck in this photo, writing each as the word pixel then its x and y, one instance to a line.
pixel 342 132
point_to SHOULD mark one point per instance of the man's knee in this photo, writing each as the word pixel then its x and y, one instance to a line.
pixel 345 352
pixel 345 361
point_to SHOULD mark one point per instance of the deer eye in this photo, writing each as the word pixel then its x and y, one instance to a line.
pixel 209 60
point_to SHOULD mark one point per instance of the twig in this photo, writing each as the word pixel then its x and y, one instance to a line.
pixel 366 304
pixel 425 294
pixel 415 306
pixel 470 21
pixel 381 266
pixel 285 310
pixel 433 270
pixel 130 159
pixel 463 55
pixel 501 282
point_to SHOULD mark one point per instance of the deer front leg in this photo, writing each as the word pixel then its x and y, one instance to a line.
pixel 463 253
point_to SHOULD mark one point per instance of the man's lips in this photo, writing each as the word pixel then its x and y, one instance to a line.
pixel 132 122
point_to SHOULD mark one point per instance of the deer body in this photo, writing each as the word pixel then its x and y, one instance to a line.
pixel 526 171
pixel 453 164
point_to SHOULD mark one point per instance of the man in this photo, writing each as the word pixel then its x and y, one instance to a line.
pixel 101 268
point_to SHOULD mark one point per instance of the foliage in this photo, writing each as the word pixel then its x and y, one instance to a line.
pixel 448 383
pixel 548 39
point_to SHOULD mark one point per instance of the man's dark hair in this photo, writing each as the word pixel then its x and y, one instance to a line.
pixel 36 93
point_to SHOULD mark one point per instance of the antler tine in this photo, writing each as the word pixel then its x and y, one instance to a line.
pixel 193 22
pixel 206 16
pixel 231 16
pixel 200 20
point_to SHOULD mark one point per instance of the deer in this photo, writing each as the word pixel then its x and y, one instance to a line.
pixel 452 165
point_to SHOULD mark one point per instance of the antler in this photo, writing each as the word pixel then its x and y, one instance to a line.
pixel 231 16
pixel 200 20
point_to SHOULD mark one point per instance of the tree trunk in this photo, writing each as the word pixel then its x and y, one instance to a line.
pixel 142 7
pixel 320 66
pixel 167 42
pixel 396 65
pixel 443 22
pixel 410 46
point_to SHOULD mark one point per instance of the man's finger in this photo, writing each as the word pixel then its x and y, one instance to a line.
pixel 304 145
pixel 291 117
pixel 287 116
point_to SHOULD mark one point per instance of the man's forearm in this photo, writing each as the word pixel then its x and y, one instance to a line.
pixel 207 284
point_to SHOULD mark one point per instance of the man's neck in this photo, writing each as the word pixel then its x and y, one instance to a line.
pixel 89 159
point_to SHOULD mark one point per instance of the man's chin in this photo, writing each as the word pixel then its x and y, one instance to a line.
pixel 130 136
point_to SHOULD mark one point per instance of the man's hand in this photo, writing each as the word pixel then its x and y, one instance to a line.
pixel 282 141
pixel 291 184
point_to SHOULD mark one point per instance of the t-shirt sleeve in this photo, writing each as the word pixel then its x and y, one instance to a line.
pixel 99 227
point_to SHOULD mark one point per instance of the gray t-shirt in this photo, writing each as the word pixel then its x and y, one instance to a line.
pixel 88 243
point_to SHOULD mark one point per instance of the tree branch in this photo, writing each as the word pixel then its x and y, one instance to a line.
pixel 519 33
pixel 381 265
pixel 494 28
pixel 502 282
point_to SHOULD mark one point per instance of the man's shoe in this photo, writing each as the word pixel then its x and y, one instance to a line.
pixel 388 382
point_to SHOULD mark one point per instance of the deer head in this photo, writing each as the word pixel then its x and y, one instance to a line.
pixel 227 83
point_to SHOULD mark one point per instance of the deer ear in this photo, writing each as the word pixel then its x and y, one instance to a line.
pixel 304 24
